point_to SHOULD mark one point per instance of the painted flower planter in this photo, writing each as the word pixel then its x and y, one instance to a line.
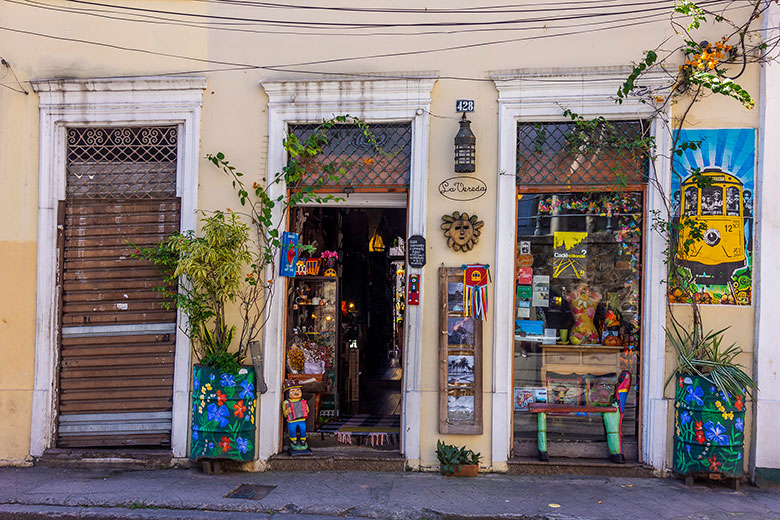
pixel 223 414
pixel 709 430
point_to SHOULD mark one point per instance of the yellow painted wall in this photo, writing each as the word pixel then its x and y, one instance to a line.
pixel 234 121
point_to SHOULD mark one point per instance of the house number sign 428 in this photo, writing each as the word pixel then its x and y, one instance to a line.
pixel 464 105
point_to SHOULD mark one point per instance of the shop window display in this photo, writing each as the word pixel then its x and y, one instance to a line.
pixel 577 311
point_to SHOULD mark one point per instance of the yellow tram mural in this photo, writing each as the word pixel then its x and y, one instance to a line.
pixel 717 267
pixel 719 207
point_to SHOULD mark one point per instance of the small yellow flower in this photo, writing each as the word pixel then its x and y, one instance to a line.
pixel 728 415
pixel 208 386
pixel 718 404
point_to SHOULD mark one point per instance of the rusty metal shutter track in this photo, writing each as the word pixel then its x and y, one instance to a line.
pixel 118 343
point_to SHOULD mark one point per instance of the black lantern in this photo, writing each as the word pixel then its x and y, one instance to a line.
pixel 465 147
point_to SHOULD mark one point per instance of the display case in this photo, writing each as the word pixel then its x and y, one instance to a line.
pixel 312 338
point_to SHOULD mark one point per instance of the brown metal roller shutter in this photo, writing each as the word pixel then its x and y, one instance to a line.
pixel 117 341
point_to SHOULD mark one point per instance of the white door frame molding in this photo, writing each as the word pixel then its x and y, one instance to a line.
pixel 105 102
pixel 397 100
pixel 542 95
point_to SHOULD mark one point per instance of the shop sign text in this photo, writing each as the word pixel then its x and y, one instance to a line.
pixel 462 188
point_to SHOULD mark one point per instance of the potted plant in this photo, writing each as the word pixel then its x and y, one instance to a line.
pixel 330 258
pixel 457 462
pixel 711 389
pixel 210 268
pixel 225 267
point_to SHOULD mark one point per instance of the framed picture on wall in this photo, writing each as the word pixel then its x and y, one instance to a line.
pixel 460 353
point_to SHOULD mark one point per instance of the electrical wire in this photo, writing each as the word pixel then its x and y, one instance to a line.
pixel 7 65
pixel 344 25
pixel 500 9
pixel 288 68
pixel 507 9
pixel 95 13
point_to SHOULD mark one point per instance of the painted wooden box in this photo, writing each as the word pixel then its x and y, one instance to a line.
pixel 709 429
pixel 223 414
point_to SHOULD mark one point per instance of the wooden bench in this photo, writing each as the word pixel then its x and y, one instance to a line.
pixel 610 414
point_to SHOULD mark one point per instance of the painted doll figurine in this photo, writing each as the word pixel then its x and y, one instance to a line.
pixel 296 410
pixel 583 302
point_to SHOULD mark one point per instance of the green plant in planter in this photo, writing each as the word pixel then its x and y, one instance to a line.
pixel 226 267
pixel 452 458
pixel 709 403
pixel 701 354
pixel 211 270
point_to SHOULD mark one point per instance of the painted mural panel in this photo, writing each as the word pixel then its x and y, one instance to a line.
pixel 718 267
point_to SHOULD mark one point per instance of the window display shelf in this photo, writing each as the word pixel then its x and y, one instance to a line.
pixel 580 359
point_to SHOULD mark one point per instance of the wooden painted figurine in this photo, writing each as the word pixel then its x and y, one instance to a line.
pixel 613 422
pixel 296 410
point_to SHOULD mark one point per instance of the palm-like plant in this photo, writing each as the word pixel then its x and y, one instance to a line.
pixel 702 354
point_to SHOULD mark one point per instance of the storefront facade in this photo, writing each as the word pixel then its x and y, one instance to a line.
pixel 560 322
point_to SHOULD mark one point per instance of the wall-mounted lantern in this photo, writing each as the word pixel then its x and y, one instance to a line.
pixel 465 148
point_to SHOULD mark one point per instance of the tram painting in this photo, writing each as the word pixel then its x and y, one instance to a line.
pixel 716 267
pixel 718 206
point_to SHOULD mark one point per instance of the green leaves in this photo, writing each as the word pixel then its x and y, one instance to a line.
pixel 701 354
pixel 688 8
pixel 716 81
pixel 451 457
pixel 625 89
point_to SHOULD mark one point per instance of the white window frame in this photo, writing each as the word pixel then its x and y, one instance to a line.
pixel 105 102
pixel 374 101
pixel 537 95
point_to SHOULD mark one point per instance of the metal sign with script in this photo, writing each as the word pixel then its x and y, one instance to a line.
pixel 462 188
pixel 415 249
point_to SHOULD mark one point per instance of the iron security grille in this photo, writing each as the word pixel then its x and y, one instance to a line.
pixel 130 162
pixel 381 161
pixel 564 153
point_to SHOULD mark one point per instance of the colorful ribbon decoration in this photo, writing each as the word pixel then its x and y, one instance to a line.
pixel 475 295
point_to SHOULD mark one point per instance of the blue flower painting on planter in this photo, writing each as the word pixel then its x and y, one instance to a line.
pixel 709 433
pixel 223 414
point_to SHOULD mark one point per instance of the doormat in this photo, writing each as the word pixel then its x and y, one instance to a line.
pixel 376 430
pixel 251 492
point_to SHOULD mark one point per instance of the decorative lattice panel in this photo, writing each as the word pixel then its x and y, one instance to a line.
pixel 130 162
pixel 379 164
pixel 567 154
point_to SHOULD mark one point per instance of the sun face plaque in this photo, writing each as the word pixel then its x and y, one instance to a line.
pixel 461 230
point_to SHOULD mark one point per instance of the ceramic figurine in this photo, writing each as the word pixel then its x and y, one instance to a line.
pixel 300 267
pixel 296 410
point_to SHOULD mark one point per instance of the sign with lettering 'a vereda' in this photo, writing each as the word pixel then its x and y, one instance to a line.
pixel 462 188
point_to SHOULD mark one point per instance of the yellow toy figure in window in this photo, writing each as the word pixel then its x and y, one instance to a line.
pixel 296 410
pixel 583 302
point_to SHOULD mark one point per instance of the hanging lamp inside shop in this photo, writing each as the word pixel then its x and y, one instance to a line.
pixel 376 244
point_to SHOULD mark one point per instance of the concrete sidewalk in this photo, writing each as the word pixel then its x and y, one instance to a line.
pixel 40 492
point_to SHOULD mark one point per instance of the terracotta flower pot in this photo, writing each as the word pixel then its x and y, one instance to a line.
pixel 465 470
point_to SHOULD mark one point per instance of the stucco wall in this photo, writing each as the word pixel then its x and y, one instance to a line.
pixel 234 121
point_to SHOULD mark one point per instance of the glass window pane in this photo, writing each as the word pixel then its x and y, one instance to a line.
pixel 577 312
